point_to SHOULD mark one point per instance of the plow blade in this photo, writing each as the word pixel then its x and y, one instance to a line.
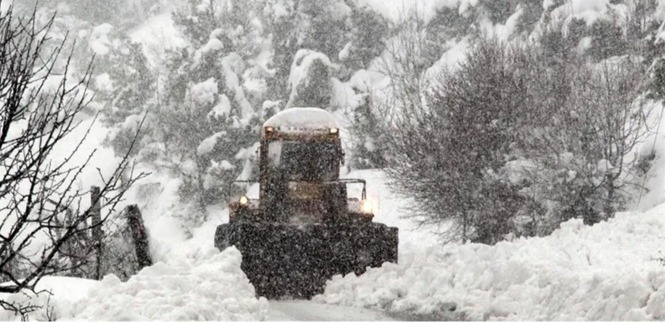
pixel 283 260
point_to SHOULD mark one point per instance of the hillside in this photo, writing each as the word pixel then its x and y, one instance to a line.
pixel 208 74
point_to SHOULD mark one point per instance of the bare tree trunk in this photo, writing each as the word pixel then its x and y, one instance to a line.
pixel 609 203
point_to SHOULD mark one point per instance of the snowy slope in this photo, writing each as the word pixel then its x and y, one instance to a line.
pixel 607 271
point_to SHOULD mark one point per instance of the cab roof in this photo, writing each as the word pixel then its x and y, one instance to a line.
pixel 302 119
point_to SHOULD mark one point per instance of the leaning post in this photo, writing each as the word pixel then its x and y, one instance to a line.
pixel 97 234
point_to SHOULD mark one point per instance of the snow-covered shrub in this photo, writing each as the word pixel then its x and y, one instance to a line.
pixel 310 79
pixel 509 144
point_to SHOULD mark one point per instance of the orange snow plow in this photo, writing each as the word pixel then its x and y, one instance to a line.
pixel 303 228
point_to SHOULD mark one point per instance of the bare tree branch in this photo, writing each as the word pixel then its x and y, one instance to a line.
pixel 41 210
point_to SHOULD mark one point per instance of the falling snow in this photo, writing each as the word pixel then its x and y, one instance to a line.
pixel 335 160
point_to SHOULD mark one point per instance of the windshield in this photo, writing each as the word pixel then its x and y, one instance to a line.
pixel 304 161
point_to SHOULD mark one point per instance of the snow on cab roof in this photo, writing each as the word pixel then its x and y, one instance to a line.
pixel 306 118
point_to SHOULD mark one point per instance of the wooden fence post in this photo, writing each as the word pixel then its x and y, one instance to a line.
pixel 139 236
pixel 97 233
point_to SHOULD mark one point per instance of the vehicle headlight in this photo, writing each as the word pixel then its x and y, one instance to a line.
pixel 244 200
pixel 334 130
pixel 366 206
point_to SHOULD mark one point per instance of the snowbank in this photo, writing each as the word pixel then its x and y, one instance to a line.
pixel 605 272
pixel 214 288
pixel 211 289
pixel 205 92
pixel 303 118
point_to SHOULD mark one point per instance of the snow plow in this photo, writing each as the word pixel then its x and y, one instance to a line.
pixel 304 228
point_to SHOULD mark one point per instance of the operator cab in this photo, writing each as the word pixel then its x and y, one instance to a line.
pixel 301 157
pixel 304 161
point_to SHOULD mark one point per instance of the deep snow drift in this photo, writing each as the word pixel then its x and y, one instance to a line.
pixel 214 288
pixel 609 271
pixel 211 289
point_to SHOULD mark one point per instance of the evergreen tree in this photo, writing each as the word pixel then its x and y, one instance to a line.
pixel 206 124
pixel 126 90
pixel 302 24
pixel 310 80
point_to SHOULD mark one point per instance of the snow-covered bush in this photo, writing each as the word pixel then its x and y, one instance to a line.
pixel 310 80
pixel 507 144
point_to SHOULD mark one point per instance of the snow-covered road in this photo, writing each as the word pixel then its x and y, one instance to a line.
pixel 310 311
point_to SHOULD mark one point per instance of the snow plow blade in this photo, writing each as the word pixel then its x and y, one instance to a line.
pixel 283 260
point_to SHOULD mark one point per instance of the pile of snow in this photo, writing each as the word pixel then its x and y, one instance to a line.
pixel 214 288
pixel 608 271
pixel 4 6
pixel 211 289
pixel 306 118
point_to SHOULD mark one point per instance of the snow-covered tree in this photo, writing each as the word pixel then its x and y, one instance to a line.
pixel 297 25
pixel 368 132
pixel 310 81
pixel 126 91
pixel 366 40
pixel 205 124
